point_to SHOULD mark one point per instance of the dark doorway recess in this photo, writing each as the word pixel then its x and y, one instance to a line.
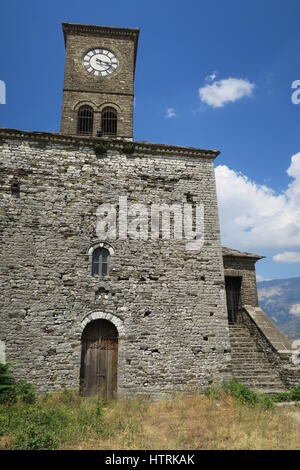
pixel 233 294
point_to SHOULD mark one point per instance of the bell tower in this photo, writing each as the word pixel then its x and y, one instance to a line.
pixel 99 81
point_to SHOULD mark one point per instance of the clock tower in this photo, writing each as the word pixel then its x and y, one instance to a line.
pixel 99 81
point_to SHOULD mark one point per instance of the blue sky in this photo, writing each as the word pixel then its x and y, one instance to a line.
pixel 256 43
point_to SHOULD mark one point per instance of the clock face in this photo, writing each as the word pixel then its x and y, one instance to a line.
pixel 100 62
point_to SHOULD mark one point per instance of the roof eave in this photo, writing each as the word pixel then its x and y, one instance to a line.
pixel 117 144
pixel 232 253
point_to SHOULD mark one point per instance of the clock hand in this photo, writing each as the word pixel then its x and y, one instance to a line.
pixel 102 61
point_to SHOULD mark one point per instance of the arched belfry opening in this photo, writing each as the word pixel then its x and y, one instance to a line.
pixel 85 120
pixel 99 360
pixel 109 121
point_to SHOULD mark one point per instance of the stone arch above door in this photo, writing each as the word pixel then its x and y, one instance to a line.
pixel 104 316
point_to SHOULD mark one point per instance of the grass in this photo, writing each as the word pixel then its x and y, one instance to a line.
pixel 231 417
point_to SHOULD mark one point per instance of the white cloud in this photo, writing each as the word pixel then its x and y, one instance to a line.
pixel 170 113
pixel 295 309
pixel 260 278
pixel 211 77
pixel 225 91
pixel 254 217
pixel 267 292
pixel 287 257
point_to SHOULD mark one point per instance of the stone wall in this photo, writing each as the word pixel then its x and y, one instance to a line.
pixel 167 303
pixel 2 353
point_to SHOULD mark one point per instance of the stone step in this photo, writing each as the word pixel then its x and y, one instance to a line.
pixel 243 341
pixel 264 386
pixel 262 383
pixel 252 372
pixel 250 361
pixel 237 327
pixel 250 365
pixel 257 372
pixel 247 359
pixel 259 381
pixel 251 355
pixel 240 332
pixel 237 337
pixel 246 365
pixel 245 351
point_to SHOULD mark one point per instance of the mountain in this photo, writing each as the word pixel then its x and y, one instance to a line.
pixel 280 299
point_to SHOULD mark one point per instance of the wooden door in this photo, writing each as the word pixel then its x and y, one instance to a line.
pixel 233 293
pixel 99 360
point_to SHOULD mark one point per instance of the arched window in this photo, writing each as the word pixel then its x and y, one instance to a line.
pixel 100 262
pixel 109 121
pixel 85 120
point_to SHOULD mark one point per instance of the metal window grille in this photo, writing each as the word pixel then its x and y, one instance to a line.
pixel 109 121
pixel 85 120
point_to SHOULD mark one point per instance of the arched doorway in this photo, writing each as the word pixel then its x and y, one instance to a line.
pixel 99 360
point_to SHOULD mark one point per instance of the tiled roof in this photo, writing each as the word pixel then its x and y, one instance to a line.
pixel 239 254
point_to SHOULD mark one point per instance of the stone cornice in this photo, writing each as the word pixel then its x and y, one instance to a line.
pixel 106 31
pixel 86 90
pixel 144 148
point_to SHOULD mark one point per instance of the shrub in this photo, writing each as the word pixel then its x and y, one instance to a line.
pixel 68 397
pixel 35 427
pixel 291 395
pixel 4 423
pixel 241 394
pixel 213 392
pixel 12 391
pixel 7 385
pixel 295 394
pixel 25 392
pixel 33 437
